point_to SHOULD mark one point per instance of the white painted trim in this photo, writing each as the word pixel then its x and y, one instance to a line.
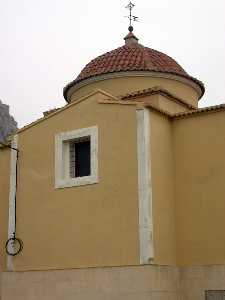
pixel 144 187
pixel 62 178
pixel 97 78
pixel 12 195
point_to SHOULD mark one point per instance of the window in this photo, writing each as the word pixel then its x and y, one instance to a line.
pixel 76 157
pixel 80 157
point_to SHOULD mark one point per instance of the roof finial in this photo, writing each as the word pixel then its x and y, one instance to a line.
pixel 131 17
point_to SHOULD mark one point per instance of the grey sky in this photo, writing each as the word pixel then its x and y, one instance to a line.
pixel 46 43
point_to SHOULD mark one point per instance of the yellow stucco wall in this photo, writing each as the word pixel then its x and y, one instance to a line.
pixel 162 174
pixel 163 103
pixel 93 225
pixel 171 106
pixel 97 225
pixel 4 200
pixel 120 86
pixel 199 145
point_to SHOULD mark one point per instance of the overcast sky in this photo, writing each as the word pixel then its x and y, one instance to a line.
pixel 46 43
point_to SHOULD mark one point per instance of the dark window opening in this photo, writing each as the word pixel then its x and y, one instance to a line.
pixel 80 158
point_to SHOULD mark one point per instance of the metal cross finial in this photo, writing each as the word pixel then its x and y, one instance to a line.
pixel 131 17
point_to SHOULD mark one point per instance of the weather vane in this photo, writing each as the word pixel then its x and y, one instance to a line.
pixel 131 17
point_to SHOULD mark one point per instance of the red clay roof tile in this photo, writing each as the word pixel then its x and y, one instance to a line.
pixel 133 57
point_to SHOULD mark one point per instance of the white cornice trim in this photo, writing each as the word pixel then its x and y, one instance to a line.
pixel 97 78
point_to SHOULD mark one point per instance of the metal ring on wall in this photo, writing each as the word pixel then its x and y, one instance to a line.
pixel 13 246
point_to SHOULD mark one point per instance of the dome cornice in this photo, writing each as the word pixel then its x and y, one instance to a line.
pixel 191 81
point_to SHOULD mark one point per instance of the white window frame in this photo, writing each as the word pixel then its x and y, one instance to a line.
pixel 62 157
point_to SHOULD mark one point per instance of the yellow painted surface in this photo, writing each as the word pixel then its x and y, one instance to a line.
pixel 93 225
pixel 120 86
pixel 4 200
pixel 97 225
pixel 171 106
pixel 199 145
pixel 164 104
pixel 162 189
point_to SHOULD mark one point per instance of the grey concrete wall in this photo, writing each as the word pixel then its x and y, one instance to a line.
pixel 194 281
pixel 118 283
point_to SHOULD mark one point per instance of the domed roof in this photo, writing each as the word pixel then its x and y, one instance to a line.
pixel 131 57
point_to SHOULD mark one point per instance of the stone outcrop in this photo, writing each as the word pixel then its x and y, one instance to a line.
pixel 7 123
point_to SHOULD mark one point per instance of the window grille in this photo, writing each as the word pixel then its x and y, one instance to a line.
pixel 80 157
pixel 215 295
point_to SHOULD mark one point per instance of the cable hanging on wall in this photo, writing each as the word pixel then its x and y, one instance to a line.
pixel 14 245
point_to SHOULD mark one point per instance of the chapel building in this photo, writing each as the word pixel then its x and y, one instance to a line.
pixel 119 194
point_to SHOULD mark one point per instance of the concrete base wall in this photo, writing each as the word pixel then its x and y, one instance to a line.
pixel 133 283
pixel 118 283
pixel 194 281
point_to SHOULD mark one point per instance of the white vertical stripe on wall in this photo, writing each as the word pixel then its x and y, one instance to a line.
pixel 12 194
pixel 144 187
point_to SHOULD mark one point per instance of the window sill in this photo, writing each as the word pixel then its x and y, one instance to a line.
pixel 72 182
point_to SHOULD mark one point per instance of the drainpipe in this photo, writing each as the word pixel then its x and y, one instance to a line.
pixel 13 245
